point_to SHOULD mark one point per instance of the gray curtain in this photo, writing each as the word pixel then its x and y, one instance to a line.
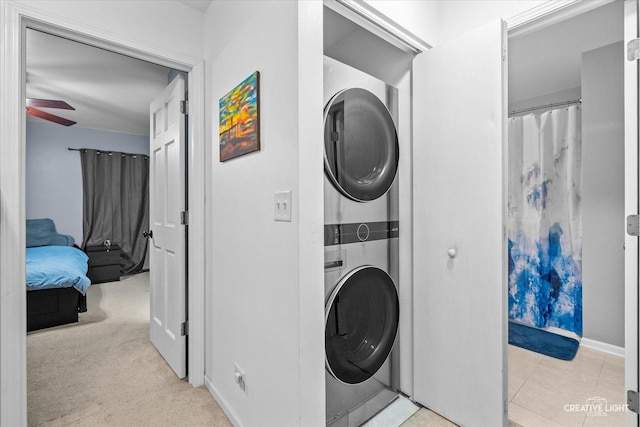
pixel 116 203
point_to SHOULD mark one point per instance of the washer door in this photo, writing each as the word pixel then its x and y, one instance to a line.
pixel 360 145
pixel 361 321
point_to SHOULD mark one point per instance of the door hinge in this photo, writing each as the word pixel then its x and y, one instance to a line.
pixel 184 107
pixel 633 50
pixel 184 217
pixel 184 329
pixel 504 55
pixel 633 225
pixel 632 401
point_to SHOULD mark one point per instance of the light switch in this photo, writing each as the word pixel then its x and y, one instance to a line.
pixel 282 206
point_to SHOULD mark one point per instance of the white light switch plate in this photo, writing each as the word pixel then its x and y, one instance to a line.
pixel 282 206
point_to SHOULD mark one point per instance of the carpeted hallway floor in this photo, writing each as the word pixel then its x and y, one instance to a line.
pixel 103 371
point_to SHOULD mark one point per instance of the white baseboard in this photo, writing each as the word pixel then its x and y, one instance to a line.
pixel 602 346
pixel 222 403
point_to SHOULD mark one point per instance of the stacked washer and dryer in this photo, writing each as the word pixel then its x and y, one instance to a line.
pixel 361 243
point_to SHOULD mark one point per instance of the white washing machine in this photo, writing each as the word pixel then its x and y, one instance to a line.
pixel 361 244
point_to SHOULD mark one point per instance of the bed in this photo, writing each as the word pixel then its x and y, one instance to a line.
pixel 56 277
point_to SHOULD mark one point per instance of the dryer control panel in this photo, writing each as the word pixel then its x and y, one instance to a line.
pixel 340 234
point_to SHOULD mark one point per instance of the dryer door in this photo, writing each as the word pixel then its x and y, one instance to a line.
pixel 361 321
pixel 360 145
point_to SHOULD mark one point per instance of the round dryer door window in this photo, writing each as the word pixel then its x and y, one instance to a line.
pixel 361 321
pixel 360 145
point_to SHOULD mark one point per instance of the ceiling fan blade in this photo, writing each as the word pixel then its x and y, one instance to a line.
pixel 48 103
pixel 52 118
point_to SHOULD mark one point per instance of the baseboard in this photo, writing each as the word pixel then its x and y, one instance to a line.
pixel 602 346
pixel 222 403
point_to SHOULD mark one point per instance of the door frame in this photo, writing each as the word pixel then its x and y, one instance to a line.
pixel 553 12
pixel 631 175
pixel 14 19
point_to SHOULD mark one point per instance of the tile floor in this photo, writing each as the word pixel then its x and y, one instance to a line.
pixel 540 387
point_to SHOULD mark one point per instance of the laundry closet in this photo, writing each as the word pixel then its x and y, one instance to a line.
pixel 435 229
pixel 366 307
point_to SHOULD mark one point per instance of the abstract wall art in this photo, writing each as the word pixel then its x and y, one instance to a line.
pixel 240 119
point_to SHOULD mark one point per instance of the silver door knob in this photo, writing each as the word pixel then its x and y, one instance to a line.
pixel 452 253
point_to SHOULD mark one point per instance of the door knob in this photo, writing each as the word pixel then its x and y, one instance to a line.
pixel 148 234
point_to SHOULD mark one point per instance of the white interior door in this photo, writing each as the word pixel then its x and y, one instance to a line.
pixel 167 249
pixel 631 119
pixel 460 268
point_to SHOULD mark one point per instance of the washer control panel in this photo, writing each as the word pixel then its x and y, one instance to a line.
pixel 340 234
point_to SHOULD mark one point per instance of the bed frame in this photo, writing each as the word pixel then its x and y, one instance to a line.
pixel 53 307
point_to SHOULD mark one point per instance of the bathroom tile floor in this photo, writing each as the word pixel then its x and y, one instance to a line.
pixel 544 391
pixel 547 392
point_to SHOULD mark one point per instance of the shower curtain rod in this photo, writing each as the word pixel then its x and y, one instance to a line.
pixel 106 151
pixel 540 107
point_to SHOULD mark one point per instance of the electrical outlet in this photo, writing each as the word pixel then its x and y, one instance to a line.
pixel 282 206
pixel 240 377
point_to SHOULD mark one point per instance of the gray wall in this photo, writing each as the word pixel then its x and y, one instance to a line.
pixel 603 194
pixel 53 173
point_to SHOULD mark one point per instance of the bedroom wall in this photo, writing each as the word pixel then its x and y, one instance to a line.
pixel 53 173
pixel 264 283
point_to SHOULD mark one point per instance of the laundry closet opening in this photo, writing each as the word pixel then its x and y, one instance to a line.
pixel 89 163
pixel 366 206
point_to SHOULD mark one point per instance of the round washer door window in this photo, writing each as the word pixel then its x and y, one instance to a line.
pixel 361 321
pixel 360 145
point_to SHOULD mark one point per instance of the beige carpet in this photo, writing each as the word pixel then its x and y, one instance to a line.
pixel 103 371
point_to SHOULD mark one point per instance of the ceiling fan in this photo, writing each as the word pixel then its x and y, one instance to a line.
pixel 49 103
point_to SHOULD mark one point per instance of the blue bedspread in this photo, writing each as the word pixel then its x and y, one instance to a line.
pixel 57 267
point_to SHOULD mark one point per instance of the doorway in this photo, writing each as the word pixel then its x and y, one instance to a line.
pixel 16 18
pixel 578 61
pixel 91 180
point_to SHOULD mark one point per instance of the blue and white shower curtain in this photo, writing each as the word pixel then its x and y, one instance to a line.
pixel 544 220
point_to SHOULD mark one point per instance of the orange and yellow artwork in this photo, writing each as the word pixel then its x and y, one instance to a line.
pixel 239 119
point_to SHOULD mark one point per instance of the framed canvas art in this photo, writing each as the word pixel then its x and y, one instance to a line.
pixel 240 119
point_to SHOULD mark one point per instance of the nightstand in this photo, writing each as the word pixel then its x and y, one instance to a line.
pixel 104 263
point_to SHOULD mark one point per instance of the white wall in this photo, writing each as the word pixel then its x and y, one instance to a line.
pixel 168 25
pixel 460 16
pixel 418 16
pixel 603 194
pixel 436 21
pixel 54 176
pixel 263 313
pixel 558 49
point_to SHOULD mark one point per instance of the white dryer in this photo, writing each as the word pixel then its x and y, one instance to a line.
pixel 361 244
